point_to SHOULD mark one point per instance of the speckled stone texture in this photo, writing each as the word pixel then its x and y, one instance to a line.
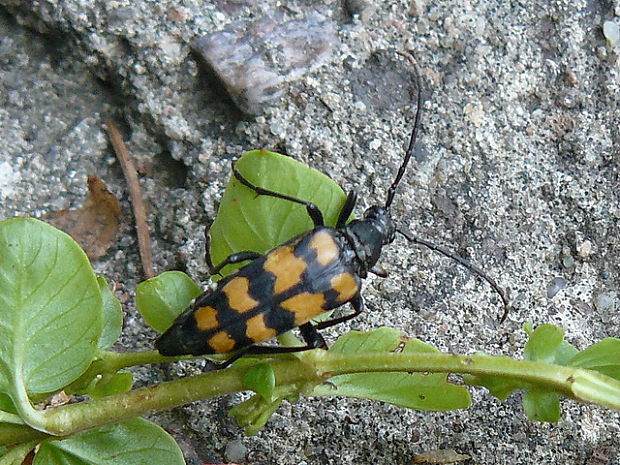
pixel 516 168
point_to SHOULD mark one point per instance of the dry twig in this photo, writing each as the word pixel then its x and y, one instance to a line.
pixel 129 170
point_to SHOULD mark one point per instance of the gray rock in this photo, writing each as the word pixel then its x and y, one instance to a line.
pixel 235 451
pixel 555 286
pixel 253 59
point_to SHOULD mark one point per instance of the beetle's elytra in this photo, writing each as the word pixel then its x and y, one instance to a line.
pixel 293 283
pixel 276 292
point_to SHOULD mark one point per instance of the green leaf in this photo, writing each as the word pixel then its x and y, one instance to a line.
pixel 6 404
pixel 133 442
pixel 604 357
pixel 254 413
pixel 377 340
pixel 111 384
pixel 112 315
pixel 162 298
pixel 262 380
pixel 415 390
pixel 50 308
pixel 544 343
pixel 16 455
pixel 259 223
pixel 498 386
pixel 541 405
pixel 565 353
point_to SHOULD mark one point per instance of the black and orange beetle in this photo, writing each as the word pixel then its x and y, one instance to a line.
pixel 295 282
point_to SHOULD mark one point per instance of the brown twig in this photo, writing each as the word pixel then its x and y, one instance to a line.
pixel 129 170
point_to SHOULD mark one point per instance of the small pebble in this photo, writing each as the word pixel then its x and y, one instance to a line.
pixel 570 77
pixel 568 261
pixel 416 7
pixel 556 285
pixel 568 98
pixel 606 301
pixel 584 249
pixel 474 111
pixel 611 31
pixel 235 451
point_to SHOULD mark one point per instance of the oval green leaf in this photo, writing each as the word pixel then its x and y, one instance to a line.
pixel 16 455
pixel 112 315
pixel 543 344
pixel 6 404
pixel 358 342
pixel 262 380
pixel 135 442
pixel 162 298
pixel 111 384
pixel 604 357
pixel 415 390
pixel 541 406
pixel 246 221
pixel 50 308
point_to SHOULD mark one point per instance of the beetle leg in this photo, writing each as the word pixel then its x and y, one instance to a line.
pixel 347 208
pixel 311 336
pixel 358 306
pixel 234 258
pixel 313 211
pixel 230 260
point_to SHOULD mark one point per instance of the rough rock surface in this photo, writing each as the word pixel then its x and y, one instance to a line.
pixel 517 168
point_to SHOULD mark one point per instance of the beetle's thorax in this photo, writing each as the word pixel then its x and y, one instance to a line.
pixel 368 236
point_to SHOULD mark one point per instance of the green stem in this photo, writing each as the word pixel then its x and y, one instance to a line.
pixel 577 383
pixel 316 366
pixel 72 418
pixel 535 372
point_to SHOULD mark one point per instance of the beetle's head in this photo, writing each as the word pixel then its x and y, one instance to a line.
pixel 371 234
pixel 379 218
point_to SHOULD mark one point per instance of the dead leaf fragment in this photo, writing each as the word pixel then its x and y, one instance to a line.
pixel 95 224
pixel 440 456
pixel 57 400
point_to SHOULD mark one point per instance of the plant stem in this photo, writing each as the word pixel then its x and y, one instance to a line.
pixel 72 418
pixel 313 367
pixel 577 383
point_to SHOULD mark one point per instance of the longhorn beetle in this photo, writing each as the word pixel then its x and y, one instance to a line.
pixel 295 282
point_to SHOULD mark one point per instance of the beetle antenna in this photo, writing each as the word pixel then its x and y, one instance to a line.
pixel 401 171
pixel 467 264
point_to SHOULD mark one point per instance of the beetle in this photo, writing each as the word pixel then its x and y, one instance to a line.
pixel 296 281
